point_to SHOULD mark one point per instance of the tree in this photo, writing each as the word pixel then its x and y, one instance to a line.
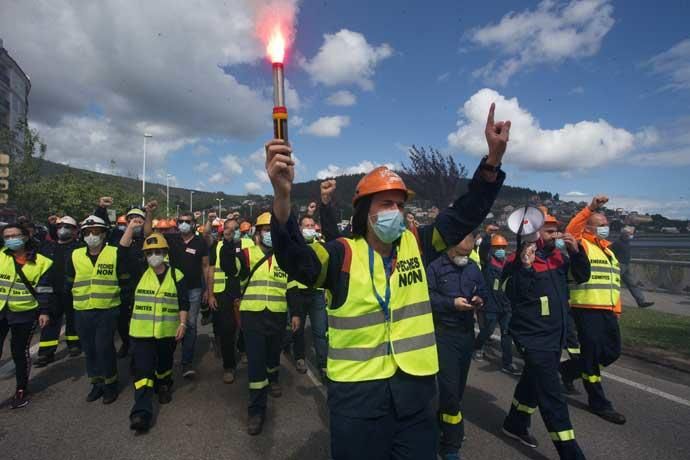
pixel 557 197
pixel 437 175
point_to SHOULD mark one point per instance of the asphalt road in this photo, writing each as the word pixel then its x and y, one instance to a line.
pixel 207 418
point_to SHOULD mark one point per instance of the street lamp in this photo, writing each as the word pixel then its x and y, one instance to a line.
pixel 191 198
pixel 167 195
pixel 219 200
pixel 143 174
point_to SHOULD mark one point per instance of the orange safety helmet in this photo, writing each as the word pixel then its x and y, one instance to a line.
pixel 122 220
pixel 499 240
pixel 245 227
pixel 172 223
pixel 380 179
pixel 549 219
pixel 163 224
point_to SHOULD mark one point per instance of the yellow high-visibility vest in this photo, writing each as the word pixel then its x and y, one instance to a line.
pixel 364 344
pixel 13 291
pixel 267 286
pixel 219 276
pixel 156 311
pixel 602 290
pixel 96 286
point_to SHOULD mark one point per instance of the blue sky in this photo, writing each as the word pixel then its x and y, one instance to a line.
pixel 598 91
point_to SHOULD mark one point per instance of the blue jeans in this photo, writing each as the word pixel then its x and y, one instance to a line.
pixel 487 328
pixel 189 340
pixel 314 305
pixel 96 330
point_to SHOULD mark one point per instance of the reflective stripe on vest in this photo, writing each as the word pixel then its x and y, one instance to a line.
pixel 13 291
pixel 266 289
pixel 156 310
pixel 218 273
pixel 602 290
pixel 96 286
pixel 362 344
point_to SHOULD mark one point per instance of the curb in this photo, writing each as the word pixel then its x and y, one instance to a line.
pixel 659 358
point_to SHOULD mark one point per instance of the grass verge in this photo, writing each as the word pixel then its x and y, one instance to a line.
pixel 642 328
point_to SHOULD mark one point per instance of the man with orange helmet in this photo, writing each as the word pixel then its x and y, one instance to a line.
pixel 497 307
pixel 382 357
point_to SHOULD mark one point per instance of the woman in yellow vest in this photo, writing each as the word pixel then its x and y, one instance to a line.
pixel 22 306
pixel 263 310
pixel 95 275
pixel 159 321
pixel 382 355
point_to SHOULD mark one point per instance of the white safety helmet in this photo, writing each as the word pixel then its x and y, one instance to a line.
pixel 93 221
pixel 68 220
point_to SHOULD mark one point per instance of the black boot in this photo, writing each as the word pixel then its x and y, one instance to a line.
pixel 109 394
pixel 95 393
pixel 255 424
pixel 164 394
pixel 139 423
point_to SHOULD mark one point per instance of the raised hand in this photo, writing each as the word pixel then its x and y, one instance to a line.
pixel 497 135
pixel 327 189
pixel 598 201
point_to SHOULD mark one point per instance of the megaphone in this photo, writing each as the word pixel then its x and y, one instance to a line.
pixel 526 223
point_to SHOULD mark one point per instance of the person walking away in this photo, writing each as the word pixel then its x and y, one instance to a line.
pixel 621 247
pixel 26 299
pixel 382 356
pixel 95 275
pixel 263 310
pixel 536 283
pixel 497 307
pixel 66 233
pixel 596 305
pixel 159 321
pixel 456 289
pixel 227 268
pixel 189 253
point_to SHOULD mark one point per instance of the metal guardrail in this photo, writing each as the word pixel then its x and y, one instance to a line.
pixel 669 263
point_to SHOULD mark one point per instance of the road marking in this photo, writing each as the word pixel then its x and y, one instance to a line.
pixel 648 389
pixel 639 386
pixel 7 370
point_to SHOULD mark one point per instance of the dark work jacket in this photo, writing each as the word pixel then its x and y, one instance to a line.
pixel 496 302
pixel 402 393
pixel 448 281
pixel 539 297
pixel 621 248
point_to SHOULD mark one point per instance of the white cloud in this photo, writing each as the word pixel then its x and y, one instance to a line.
pixel 295 122
pixel 328 126
pixel 253 187
pixel 231 164
pixel 577 90
pixel 262 176
pixel 666 145
pixel 674 64
pixel 201 150
pixel 217 178
pixel 363 167
pixel 201 167
pixel 575 193
pixel 443 77
pixel 552 33
pixel 584 144
pixel 342 98
pixel 162 64
pixel 346 58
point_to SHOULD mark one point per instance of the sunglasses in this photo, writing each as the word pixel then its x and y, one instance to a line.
pixel 182 221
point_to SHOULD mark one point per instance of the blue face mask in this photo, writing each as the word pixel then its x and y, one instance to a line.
pixel 560 244
pixel 500 254
pixel 14 244
pixel 389 225
pixel 236 236
pixel 266 239
pixel 603 232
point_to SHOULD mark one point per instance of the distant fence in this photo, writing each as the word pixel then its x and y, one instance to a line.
pixel 667 275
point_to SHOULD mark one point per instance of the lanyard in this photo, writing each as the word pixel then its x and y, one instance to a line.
pixel 383 303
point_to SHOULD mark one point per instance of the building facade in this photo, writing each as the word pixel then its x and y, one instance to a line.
pixel 14 93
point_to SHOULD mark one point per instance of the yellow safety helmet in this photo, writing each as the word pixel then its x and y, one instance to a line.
pixel 155 241
pixel 263 219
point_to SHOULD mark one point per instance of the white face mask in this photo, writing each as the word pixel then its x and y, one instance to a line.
pixel 185 227
pixel 155 260
pixel 309 234
pixel 461 261
pixel 93 241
